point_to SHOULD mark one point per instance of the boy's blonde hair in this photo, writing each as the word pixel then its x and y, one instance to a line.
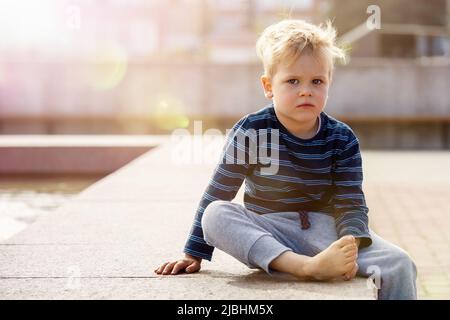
pixel 288 39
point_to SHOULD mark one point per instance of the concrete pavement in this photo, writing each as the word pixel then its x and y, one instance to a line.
pixel 106 242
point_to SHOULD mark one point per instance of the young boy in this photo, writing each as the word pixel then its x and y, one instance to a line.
pixel 309 217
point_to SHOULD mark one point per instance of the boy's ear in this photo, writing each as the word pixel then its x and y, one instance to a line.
pixel 267 86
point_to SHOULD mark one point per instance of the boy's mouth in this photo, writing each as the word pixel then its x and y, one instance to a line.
pixel 305 105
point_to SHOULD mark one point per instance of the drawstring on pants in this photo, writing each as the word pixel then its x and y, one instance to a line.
pixel 304 219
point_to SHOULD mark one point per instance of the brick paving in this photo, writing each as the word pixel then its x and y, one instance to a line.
pixel 408 195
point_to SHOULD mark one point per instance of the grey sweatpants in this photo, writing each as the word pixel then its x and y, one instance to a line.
pixel 256 240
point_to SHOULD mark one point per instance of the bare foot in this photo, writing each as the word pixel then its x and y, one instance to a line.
pixel 338 260
pixel 350 275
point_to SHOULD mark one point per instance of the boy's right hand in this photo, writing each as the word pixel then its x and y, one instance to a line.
pixel 189 264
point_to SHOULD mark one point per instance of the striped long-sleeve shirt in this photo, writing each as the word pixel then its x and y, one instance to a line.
pixel 320 174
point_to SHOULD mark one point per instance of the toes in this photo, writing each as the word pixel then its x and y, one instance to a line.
pixel 351 252
pixel 352 273
pixel 347 268
pixel 350 259
pixel 349 248
pixel 348 240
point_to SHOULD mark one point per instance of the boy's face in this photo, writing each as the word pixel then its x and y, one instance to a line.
pixel 306 80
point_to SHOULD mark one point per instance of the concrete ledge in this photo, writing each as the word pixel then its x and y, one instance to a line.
pixel 71 154
pixel 106 243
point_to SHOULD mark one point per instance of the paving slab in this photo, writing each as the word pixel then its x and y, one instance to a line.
pixel 223 286
pixel 106 243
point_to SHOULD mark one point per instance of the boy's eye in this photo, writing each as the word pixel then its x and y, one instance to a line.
pixel 317 81
pixel 292 81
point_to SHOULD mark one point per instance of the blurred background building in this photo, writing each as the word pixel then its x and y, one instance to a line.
pixel 148 67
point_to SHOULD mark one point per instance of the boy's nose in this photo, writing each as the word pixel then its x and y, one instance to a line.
pixel 305 91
